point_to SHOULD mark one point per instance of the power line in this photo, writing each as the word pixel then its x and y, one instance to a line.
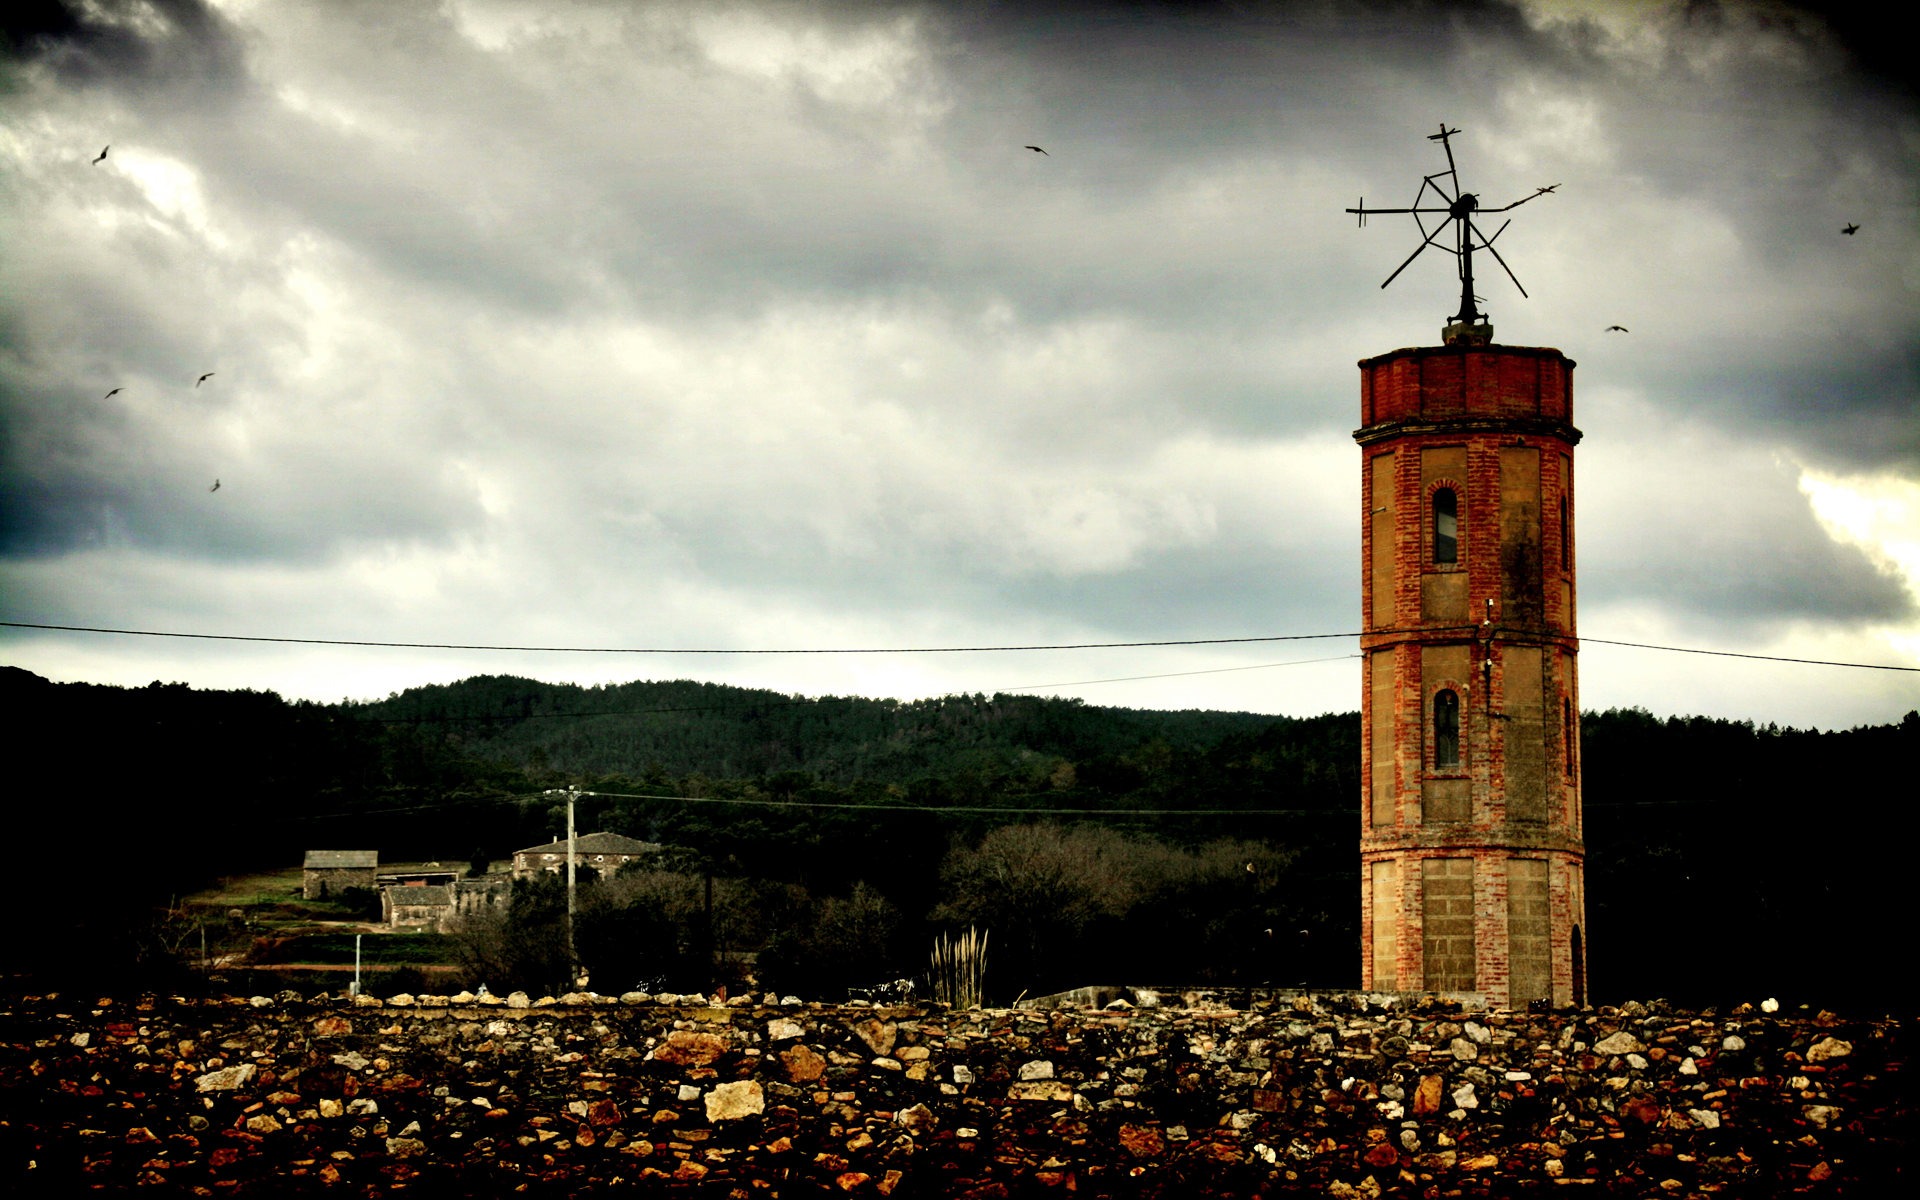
pixel 794 701
pixel 988 808
pixel 1817 662
pixel 711 650
pixel 470 801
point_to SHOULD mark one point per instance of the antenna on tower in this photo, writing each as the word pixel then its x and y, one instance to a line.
pixel 1451 204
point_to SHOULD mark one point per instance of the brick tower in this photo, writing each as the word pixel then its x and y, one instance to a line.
pixel 1472 865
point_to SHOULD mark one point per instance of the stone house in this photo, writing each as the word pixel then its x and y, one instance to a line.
pixel 604 852
pixel 329 872
pixel 422 907
pixel 431 908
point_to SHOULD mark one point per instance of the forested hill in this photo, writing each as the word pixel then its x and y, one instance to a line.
pixel 681 728
pixel 1719 853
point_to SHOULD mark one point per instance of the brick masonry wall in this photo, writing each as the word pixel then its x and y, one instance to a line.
pixel 1496 628
pixel 1328 1096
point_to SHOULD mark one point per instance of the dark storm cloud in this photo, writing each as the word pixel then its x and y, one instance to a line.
pixel 760 321
pixel 1713 581
pixel 108 484
pixel 1856 411
pixel 135 47
pixel 1211 591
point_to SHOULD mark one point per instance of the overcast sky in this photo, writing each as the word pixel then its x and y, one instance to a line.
pixel 758 326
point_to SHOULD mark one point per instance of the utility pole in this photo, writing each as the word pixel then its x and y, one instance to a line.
pixel 573 958
pixel 572 793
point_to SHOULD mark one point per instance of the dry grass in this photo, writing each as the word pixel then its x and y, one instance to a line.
pixel 239 891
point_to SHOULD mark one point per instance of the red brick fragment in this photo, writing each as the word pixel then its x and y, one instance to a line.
pixel 1382 1155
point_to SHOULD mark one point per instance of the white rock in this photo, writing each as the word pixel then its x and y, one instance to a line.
pixel 784 1029
pixel 226 1079
pixel 732 1101
pixel 1618 1043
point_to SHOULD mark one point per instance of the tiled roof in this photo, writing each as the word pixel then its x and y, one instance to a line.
pixel 439 897
pixel 598 843
pixel 324 859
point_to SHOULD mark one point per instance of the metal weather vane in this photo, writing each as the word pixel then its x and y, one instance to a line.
pixel 1458 208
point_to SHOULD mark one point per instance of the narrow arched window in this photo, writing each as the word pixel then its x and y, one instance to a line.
pixel 1446 730
pixel 1446 526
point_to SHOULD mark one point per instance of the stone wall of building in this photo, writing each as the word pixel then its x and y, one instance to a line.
pixel 322 883
pixel 1329 1097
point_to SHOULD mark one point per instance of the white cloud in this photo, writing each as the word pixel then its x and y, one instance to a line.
pixel 601 324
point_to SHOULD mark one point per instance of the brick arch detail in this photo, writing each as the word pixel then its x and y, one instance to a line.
pixel 1427 767
pixel 1459 490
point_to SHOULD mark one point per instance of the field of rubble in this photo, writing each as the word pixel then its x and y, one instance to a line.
pixel 1340 1096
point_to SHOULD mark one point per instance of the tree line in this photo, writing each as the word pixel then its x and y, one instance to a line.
pixel 832 838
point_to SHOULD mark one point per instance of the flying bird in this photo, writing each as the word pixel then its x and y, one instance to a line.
pixel 1038 150
pixel 110 395
pixel 1616 329
pixel 103 154
pixel 215 487
pixel 203 379
pixel 1851 229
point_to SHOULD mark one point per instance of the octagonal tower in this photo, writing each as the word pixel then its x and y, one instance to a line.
pixel 1472 864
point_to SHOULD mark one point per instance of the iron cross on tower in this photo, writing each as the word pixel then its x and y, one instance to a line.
pixel 1452 204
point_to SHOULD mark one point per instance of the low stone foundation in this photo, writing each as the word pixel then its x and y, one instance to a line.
pixel 1307 1096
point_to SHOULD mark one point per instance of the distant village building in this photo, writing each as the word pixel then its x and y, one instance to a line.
pixel 432 907
pixel 327 873
pixel 604 852
pixel 426 875
pixel 423 907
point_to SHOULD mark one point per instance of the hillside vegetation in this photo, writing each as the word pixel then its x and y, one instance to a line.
pixel 833 837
